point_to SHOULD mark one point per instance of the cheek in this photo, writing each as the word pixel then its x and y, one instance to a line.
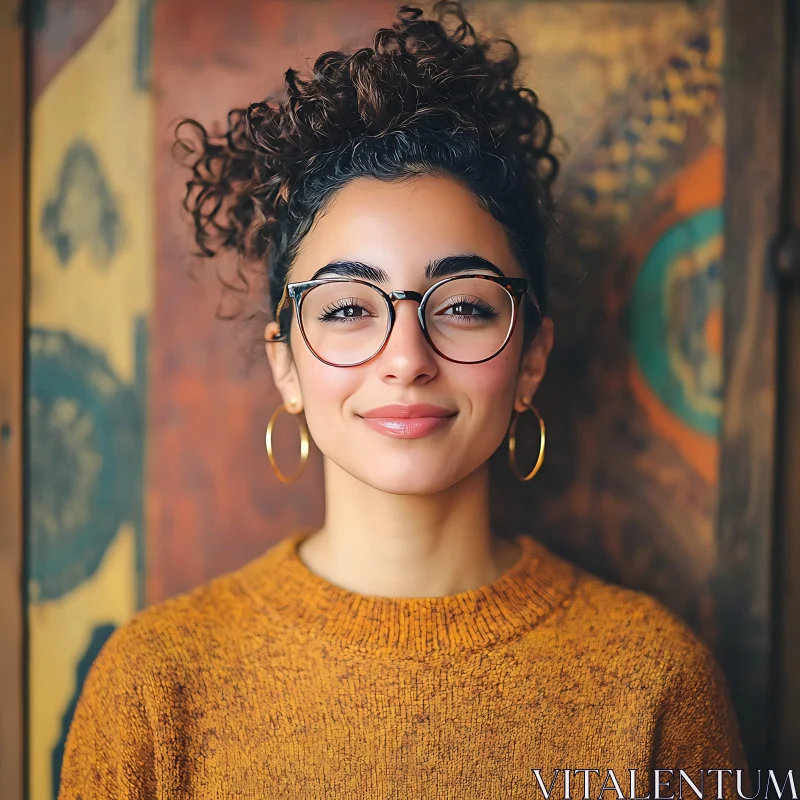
pixel 325 389
pixel 490 383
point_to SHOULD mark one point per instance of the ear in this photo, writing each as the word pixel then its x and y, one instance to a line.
pixel 533 365
pixel 284 371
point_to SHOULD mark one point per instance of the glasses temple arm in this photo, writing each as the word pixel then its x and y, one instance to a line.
pixel 280 336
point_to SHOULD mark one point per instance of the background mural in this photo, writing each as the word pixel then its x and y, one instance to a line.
pixel 147 413
pixel 633 393
pixel 91 276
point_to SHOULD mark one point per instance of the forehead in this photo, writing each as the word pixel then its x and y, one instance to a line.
pixel 400 226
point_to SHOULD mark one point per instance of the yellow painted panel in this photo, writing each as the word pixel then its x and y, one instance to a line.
pixel 92 257
pixel 93 105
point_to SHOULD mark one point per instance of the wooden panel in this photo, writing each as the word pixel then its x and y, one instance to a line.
pixel 787 694
pixel 754 118
pixel 11 388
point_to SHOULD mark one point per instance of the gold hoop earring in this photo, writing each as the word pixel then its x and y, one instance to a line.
pixel 512 443
pixel 303 445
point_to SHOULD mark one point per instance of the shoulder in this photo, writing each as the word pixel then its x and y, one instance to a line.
pixel 183 629
pixel 632 641
pixel 635 636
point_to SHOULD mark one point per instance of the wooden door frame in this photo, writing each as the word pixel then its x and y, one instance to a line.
pixel 12 326
pixel 749 582
pixel 786 632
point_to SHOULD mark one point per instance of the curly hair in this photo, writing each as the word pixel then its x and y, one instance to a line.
pixel 420 101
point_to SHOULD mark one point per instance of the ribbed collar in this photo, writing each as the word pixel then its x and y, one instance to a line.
pixel 302 601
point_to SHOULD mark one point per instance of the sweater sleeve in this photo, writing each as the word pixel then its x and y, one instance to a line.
pixel 109 751
pixel 697 729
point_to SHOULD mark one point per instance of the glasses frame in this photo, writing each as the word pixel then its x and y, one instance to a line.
pixel 515 287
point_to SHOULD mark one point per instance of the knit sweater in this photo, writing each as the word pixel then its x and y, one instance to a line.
pixel 271 682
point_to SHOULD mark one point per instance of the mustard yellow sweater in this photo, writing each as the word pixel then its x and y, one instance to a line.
pixel 271 682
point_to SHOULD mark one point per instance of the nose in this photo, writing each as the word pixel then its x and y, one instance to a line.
pixel 407 358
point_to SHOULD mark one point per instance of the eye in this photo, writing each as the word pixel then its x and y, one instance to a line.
pixel 471 308
pixel 347 311
pixel 348 308
pixel 463 309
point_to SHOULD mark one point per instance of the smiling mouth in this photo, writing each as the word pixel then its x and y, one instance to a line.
pixel 408 421
pixel 408 427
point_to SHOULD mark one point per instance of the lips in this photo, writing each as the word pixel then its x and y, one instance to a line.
pixel 413 411
pixel 408 421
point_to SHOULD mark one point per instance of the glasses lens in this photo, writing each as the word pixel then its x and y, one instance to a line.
pixel 469 319
pixel 344 322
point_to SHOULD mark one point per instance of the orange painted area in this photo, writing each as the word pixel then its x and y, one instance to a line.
pixel 700 185
pixel 713 332
pixel 700 451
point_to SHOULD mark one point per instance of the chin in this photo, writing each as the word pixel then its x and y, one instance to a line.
pixel 410 478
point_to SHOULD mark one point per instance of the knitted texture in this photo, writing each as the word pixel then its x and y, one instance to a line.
pixel 270 682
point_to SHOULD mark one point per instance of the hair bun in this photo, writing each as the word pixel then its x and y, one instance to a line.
pixel 426 84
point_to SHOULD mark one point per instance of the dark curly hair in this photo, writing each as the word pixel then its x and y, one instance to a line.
pixel 421 100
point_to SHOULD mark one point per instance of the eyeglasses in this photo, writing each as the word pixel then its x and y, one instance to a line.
pixel 466 319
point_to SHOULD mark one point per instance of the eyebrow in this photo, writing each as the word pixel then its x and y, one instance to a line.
pixel 440 268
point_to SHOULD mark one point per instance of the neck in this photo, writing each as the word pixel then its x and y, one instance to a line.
pixel 390 545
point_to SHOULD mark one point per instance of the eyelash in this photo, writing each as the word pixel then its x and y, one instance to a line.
pixel 346 302
pixel 485 310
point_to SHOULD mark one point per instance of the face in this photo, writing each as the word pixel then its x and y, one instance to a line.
pixel 399 228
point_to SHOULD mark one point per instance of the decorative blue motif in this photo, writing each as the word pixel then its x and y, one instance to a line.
pixel 83 212
pixel 678 287
pixel 86 432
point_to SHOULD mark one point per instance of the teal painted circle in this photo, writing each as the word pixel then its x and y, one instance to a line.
pixel 85 431
pixel 669 308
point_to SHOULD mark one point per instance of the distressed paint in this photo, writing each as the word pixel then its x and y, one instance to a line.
pixel 91 277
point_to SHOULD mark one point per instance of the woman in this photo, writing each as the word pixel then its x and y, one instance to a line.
pixel 400 199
